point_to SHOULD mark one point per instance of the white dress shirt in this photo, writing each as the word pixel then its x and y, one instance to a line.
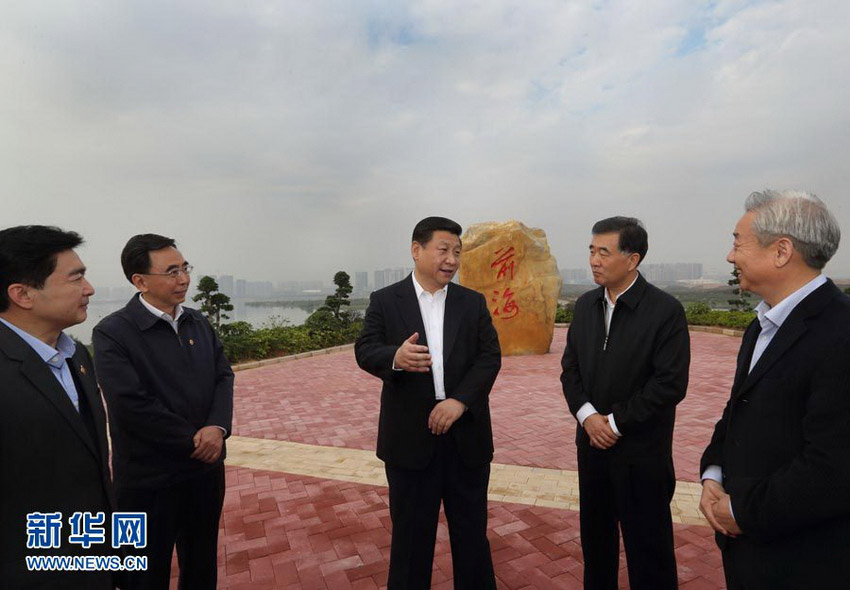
pixel 433 310
pixel 172 321
pixel 587 409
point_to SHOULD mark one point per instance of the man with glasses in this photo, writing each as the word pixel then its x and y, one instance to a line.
pixel 169 389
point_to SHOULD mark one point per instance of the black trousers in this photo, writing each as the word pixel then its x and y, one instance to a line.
pixel 636 496
pixel 185 514
pixel 415 497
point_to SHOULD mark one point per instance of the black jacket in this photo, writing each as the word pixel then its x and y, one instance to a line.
pixel 471 360
pixel 161 388
pixel 783 443
pixel 641 374
pixel 52 459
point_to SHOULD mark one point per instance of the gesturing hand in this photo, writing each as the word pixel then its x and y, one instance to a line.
pixel 600 432
pixel 444 415
pixel 411 356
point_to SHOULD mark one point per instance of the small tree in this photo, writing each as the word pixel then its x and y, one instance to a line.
pixel 335 302
pixel 213 303
pixel 847 290
pixel 741 301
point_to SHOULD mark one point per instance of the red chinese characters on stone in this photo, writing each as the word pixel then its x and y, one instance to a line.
pixel 505 262
pixel 506 308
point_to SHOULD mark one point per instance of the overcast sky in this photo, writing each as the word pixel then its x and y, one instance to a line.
pixel 288 140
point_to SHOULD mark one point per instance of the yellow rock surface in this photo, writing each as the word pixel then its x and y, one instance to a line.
pixel 511 266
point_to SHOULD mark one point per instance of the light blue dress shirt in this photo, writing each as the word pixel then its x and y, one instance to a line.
pixel 55 358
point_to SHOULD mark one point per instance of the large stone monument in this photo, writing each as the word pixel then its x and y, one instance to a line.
pixel 511 265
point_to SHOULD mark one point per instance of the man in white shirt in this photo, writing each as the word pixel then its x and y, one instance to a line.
pixel 433 345
pixel 776 475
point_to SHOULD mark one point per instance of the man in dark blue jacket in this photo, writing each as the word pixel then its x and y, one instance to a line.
pixel 625 368
pixel 169 390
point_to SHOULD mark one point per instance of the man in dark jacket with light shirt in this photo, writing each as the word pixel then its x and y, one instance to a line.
pixel 169 390
pixel 776 475
pixel 625 367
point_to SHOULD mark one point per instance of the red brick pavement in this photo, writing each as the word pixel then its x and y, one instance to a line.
pixel 286 531
pixel 328 400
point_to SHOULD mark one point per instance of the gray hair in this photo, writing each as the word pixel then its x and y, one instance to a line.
pixel 797 215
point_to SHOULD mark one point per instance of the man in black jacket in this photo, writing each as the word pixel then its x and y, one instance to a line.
pixel 170 393
pixel 776 476
pixel 625 367
pixel 53 445
pixel 433 345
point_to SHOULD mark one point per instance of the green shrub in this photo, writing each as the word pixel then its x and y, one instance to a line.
pixel 700 314
pixel 564 314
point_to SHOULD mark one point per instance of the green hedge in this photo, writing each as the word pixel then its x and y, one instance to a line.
pixel 242 342
pixel 700 314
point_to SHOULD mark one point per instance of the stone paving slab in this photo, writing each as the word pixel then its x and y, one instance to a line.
pixel 535 486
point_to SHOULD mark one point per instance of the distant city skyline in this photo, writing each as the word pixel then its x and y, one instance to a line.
pixel 238 288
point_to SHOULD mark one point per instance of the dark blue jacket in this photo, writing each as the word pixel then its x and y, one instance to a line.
pixel 161 388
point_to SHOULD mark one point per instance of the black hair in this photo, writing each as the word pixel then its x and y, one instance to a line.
pixel 424 230
pixel 28 255
pixel 633 238
pixel 135 257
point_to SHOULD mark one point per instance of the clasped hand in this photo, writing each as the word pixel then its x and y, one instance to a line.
pixel 600 432
pixel 715 506
pixel 209 442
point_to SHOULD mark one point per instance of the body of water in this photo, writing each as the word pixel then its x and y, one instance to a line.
pixel 256 316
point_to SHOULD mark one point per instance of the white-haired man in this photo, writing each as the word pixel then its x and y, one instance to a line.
pixel 776 475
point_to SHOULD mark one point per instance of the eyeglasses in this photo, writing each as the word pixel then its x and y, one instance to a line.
pixel 173 273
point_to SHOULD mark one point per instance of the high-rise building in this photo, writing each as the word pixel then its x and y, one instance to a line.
pixel 670 272
pixel 225 285
pixel 361 282
pixel 394 275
